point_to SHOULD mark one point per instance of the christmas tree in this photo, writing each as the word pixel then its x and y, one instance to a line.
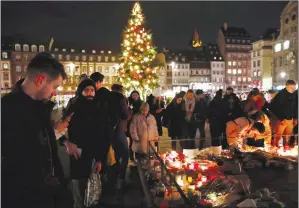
pixel 137 69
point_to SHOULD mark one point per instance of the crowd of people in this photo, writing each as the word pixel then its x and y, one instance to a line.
pixel 96 123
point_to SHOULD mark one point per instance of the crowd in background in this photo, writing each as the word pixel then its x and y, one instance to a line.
pixel 96 123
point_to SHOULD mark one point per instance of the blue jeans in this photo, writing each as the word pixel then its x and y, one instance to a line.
pixel 121 149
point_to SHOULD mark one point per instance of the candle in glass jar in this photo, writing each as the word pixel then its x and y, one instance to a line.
pixel 190 179
pixel 204 178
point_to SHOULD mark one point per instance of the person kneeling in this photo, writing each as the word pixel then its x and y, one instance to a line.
pixel 143 130
pixel 241 129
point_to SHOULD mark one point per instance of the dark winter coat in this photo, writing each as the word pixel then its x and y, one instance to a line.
pixel 232 110
pixel 154 106
pixel 215 110
pixel 285 105
pixel 118 110
pixel 29 150
pixel 84 131
pixel 176 114
pixel 200 111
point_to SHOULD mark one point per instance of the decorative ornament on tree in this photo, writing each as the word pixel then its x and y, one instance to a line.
pixel 138 54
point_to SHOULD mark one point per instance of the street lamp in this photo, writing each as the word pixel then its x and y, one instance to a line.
pixel 282 75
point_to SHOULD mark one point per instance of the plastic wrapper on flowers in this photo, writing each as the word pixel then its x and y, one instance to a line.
pixel 93 190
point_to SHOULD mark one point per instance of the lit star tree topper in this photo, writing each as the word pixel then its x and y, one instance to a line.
pixel 137 69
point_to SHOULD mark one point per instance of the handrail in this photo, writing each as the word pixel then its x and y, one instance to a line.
pixel 172 180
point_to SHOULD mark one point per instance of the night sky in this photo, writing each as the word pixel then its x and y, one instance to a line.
pixel 102 23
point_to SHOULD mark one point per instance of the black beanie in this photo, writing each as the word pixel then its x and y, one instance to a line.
pixel 84 84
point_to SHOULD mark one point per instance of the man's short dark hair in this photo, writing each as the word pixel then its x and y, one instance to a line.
pixel 230 88
pixel 290 82
pixel 199 92
pixel 45 63
pixel 259 126
pixel 97 77
pixel 117 87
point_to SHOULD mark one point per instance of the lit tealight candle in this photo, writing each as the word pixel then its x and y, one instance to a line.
pixel 191 167
pixel 190 179
pixel 204 168
pixel 204 178
pixel 199 184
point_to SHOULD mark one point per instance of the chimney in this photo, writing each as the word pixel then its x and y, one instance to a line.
pixel 225 25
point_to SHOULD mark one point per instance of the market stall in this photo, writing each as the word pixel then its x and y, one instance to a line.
pixel 195 178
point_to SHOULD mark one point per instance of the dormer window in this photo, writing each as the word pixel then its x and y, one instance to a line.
pixel 34 48
pixel 25 47
pixel 41 48
pixel 63 50
pixel 56 49
pixel 18 47
pixel 83 51
pixel 93 51
pixel 72 50
pixel 102 52
pixel 109 52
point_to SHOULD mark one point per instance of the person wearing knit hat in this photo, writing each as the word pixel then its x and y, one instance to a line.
pixel 84 132
pixel 143 129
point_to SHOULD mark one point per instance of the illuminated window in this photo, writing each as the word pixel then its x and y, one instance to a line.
pixel 77 58
pixel 229 71
pixel 59 56
pixel 106 58
pixel 25 47
pixel 259 73
pixel 249 79
pixel 112 58
pixel 239 79
pixel 41 48
pixel 83 51
pixel 254 74
pixel 63 50
pixel 244 79
pixel 4 55
pixel 90 58
pixel 286 45
pixel 83 58
pixel 234 63
pixel 239 71
pixel 5 66
pixel 68 57
pixel 93 51
pixel 18 47
pixel 72 50
pixel 277 47
pixel 229 63
pixel 33 48
pixel 234 71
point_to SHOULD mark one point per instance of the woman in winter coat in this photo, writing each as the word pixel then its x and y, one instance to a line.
pixel 134 103
pixel 175 114
pixel 189 107
pixel 216 119
pixel 143 129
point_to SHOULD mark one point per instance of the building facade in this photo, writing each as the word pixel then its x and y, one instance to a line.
pixel 261 60
pixel 235 45
pixel 5 72
pixel 217 66
pixel 285 50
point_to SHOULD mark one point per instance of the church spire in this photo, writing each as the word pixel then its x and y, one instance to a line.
pixel 196 42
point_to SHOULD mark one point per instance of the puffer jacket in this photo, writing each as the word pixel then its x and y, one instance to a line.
pixel 143 129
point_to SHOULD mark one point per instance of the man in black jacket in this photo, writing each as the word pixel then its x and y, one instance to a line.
pixel 285 107
pixel 199 116
pixel 31 171
pixel 119 113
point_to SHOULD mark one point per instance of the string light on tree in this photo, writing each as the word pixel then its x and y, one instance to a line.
pixel 138 54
